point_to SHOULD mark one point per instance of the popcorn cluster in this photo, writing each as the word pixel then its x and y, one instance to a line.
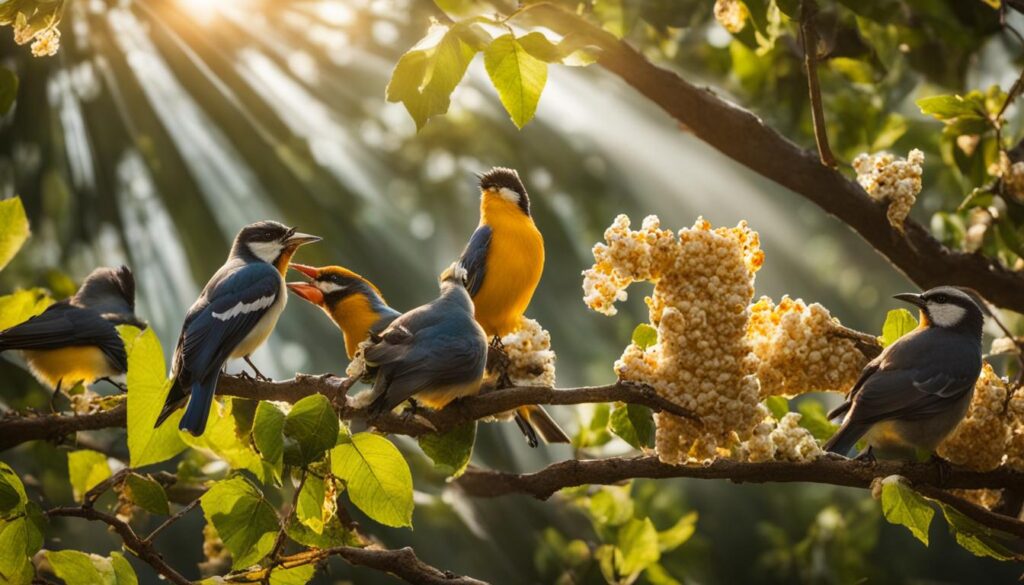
pixel 783 440
pixel 531 361
pixel 1013 177
pixel 47 43
pixel 980 440
pixel 704 281
pixel 1015 438
pixel 627 256
pixel 731 14
pixel 799 350
pixel 896 180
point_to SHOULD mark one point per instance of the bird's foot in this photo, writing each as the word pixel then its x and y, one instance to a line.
pixel 256 372
pixel 867 456
pixel 412 411
pixel 943 466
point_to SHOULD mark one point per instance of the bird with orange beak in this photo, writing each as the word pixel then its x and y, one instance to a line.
pixel 352 302
pixel 503 261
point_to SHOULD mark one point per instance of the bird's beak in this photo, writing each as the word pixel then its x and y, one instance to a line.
pixel 309 271
pixel 913 299
pixel 307 292
pixel 299 239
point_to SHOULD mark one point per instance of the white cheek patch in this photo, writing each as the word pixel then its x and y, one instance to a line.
pixel 266 251
pixel 245 308
pixel 509 195
pixel 327 287
pixel 946 314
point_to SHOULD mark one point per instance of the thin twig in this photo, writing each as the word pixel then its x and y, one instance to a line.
pixel 141 549
pixel 177 516
pixel 808 10
pixel 275 552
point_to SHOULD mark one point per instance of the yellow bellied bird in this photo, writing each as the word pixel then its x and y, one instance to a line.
pixel 75 340
pixel 233 316
pixel 919 388
pixel 503 261
pixel 432 354
pixel 352 302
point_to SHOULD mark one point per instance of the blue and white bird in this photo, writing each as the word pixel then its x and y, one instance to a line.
pixel 233 316
pixel 918 389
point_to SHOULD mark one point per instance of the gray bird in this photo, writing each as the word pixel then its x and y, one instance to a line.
pixel 432 354
pixel 918 389
pixel 76 340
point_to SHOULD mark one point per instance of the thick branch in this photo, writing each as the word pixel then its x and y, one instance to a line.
pixel 844 472
pixel 402 563
pixel 745 138
pixel 15 430
pixel 142 549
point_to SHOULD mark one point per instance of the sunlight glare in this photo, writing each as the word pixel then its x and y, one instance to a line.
pixel 335 13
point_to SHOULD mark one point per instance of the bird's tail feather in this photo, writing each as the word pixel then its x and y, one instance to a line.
pixel 176 398
pixel 534 421
pixel 845 438
pixel 198 410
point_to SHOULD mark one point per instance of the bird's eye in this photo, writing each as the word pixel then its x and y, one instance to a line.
pixel 940 299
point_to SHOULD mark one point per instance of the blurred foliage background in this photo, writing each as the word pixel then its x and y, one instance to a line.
pixel 162 126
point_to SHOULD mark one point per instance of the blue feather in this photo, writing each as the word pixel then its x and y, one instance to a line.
pixel 198 410
pixel 474 259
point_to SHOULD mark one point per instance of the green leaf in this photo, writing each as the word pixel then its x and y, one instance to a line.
pixel 637 543
pixel 20 541
pixel 76 568
pixel 948 107
pixel 9 478
pixel 245 521
pixel 612 506
pixel 902 505
pixel 86 469
pixel 450 451
pixel 295 576
pixel 814 418
pixel 778 406
pixel 21 305
pixel 13 222
pixel 898 323
pixel 595 432
pixel 645 335
pixel 310 429
pixel 979 539
pixel 518 76
pixel 147 389
pixel 656 574
pixel 855 70
pixel 425 76
pixel 223 440
pixel 10 495
pixel 634 424
pixel 8 91
pixel 268 432
pixel 673 538
pixel 539 46
pixel 377 478
pixel 147 494
pixel 605 555
pixel 123 571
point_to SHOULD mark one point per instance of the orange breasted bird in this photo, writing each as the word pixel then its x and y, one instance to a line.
pixel 352 302
pixel 503 261
pixel 75 340
pixel 432 354
pixel 233 316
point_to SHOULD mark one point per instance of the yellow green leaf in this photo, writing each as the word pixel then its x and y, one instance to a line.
pixel 13 226
pixel 518 76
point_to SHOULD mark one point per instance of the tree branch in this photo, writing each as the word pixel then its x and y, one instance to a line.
pixel 808 10
pixel 15 429
pixel 843 472
pixel 402 563
pixel 743 137
pixel 142 549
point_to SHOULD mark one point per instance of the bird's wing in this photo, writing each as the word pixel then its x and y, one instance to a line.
pixel 65 325
pixel 474 259
pixel 233 308
pixel 869 369
pixel 913 392
pixel 447 358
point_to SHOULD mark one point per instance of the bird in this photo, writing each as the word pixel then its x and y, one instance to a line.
pixel 232 317
pixel 919 388
pixel 432 354
pixel 76 340
pixel 503 262
pixel 354 303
